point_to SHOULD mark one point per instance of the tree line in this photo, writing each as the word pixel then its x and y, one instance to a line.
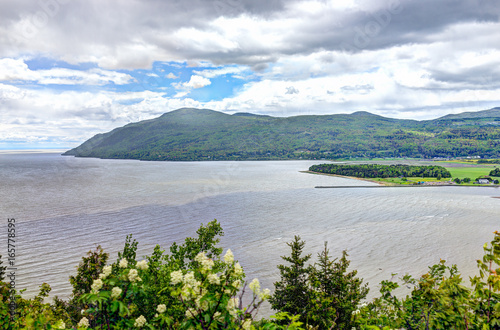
pixel 382 171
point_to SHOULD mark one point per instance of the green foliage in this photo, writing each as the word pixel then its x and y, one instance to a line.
pixel 201 134
pixel 292 292
pixel 382 171
pixel 488 161
pixel 33 313
pixel 199 289
pixel 323 295
pixel 337 291
pixel 196 287
pixel 129 252
pixel 439 299
pixel 486 285
pixel 207 240
pixel 5 300
pixel 495 172
pixel 88 270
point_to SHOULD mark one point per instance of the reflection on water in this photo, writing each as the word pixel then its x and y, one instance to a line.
pixel 66 206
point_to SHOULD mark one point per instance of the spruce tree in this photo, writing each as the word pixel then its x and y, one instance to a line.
pixel 292 292
pixel 338 292
pixel 324 295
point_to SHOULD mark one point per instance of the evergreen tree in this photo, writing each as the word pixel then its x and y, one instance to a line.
pixel 292 293
pixel 338 292
pixel 324 295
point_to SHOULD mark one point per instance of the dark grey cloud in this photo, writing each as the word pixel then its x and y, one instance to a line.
pixel 392 23
pixel 478 77
pixel 117 28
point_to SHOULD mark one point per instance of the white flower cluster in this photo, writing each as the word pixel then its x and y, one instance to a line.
pixel 106 271
pixel 232 306
pixel 255 287
pixel 161 308
pixel 197 285
pixel 217 316
pixel 140 321
pixel 133 276
pixel 116 292
pixel 238 270
pixel 143 265
pixel 60 325
pixel 191 287
pixel 228 257
pixel 213 279
pixel 201 305
pixel 176 277
pixel 84 323
pixel 96 285
pixel 247 325
pixel 191 312
pixel 236 284
pixel 206 263
pixel 123 263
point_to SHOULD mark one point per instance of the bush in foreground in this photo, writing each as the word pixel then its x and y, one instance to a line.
pixel 196 286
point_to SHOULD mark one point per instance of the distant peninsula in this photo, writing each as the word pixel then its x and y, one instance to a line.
pixel 201 134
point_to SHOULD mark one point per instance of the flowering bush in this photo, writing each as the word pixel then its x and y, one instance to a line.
pixel 206 296
pixel 209 294
pixel 195 286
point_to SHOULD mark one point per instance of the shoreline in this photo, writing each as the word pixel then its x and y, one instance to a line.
pixel 381 184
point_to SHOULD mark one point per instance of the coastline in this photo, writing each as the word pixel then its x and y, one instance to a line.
pixel 382 184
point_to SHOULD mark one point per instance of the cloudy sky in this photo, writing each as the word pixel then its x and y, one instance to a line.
pixel 70 69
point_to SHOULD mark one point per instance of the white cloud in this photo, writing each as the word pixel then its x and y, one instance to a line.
pixel 233 70
pixel 11 69
pixel 16 69
pixel 196 81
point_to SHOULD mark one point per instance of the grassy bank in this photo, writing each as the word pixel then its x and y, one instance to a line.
pixel 460 169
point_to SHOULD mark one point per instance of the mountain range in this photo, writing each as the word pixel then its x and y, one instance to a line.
pixel 189 134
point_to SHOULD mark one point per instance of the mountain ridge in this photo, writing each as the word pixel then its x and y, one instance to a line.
pixel 205 134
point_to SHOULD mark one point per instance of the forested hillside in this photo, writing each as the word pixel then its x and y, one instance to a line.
pixel 201 134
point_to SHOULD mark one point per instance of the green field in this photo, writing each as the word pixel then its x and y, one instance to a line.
pixel 469 172
pixel 457 169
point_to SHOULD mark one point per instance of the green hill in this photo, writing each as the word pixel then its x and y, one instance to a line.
pixel 202 134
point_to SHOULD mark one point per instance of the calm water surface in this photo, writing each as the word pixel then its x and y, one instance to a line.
pixel 65 206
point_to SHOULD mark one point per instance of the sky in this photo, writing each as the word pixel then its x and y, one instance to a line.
pixel 70 69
